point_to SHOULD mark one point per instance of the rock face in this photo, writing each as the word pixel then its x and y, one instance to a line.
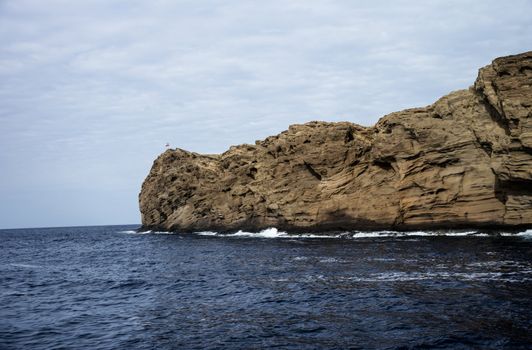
pixel 465 161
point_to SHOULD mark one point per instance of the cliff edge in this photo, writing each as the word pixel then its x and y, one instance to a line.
pixel 464 161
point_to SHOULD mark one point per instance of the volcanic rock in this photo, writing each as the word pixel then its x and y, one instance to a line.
pixel 464 161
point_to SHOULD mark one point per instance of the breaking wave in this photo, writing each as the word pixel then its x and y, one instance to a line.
pixel 525 234
pixel 133 232
pixel 273 232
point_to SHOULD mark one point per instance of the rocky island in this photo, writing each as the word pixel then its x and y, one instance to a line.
pixel 464 161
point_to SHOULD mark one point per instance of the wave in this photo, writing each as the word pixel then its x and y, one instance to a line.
pixel 377 234
pixel 132 232
pixel 527 234
pixel 273 232
pixel 267 233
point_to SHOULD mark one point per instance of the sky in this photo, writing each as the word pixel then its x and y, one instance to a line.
pixel 90 91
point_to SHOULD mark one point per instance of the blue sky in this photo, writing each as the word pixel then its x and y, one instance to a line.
pixel 90 91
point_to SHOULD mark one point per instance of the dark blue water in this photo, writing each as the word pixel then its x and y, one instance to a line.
pixel 103 288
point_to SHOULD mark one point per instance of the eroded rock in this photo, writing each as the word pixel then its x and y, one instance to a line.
pixel 465 161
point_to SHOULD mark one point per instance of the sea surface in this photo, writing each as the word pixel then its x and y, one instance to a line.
pixel 109 287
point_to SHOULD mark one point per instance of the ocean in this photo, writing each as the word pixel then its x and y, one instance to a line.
pixel 108 287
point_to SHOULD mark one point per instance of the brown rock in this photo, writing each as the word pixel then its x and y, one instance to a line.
pixel 465 161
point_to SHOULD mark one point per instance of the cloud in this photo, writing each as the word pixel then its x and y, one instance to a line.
pixel 91 91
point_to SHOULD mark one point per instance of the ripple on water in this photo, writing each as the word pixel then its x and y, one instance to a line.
pixel 114 287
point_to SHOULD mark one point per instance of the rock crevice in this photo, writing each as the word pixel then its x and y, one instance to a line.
pixel 464 161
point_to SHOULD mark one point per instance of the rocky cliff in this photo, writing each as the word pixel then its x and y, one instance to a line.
pixel 465 161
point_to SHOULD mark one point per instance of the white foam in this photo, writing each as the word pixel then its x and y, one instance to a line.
pixel 384 234
pixel 207 233
pixel 300 258
pixel 309 235
pixel 526 234
pixel 464 233
pixel 148 232
pixel 371 234
pixel 26 266
pixel 275 233
pixel 271 232
pixel 267 233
